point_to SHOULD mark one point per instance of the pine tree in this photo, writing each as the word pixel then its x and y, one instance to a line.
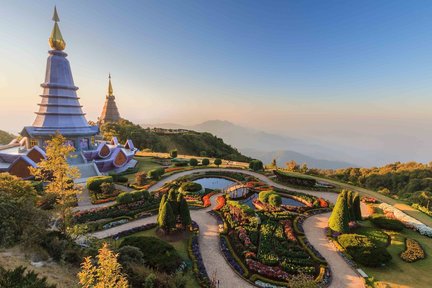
pixel 339 218
pixel 356 207
pixel 167 218
pixel 184 212
pixel 172 199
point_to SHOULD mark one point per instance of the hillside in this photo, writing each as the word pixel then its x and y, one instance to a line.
pixel 164 140
pixel 267 146
pixel 5 137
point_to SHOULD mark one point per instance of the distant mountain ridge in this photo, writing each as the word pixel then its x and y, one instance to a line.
pixel 266 146
pixel 5 137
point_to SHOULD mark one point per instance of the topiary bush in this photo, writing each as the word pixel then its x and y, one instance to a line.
pixel 157 254
pixel 155 174
pixel 363 250
pixel 193 162
pixel 94 183
pixel 205 162
pixel 339 218
pixel 133 196
pixel 191 187
pixel 217 162
pixel 385 223
pixel 275 200
pixel 256 165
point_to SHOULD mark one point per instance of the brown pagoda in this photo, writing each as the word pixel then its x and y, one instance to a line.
pixel 110 112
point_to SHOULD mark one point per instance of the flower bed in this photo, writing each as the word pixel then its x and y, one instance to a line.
pixel 221 201
pixel 206 199
pixel 413 251
pixel 369 200
pixel 195 255
pixel 229 257
pixel 408 221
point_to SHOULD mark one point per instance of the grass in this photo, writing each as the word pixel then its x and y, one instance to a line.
pixel 398 273
pixel 181 246
pixel 144 164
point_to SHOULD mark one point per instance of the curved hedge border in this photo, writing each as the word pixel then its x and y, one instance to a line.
pixel 133 231
pixel 195 255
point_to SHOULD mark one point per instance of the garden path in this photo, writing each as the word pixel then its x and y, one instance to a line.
pixel 84 200
pixel 343 275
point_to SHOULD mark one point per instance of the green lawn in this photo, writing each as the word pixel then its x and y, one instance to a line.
pixel 144 164
pixel 398 273
pixel 182 248
pixel 377 236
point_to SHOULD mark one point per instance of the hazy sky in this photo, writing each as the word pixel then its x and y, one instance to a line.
pixel 356 73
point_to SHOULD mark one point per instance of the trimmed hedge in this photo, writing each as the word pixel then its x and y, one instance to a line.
pixel 128 197
pixel 191 187
pixel 385 223
pixel 294 180
pixel 155 174
pixel 363 250
pixel 94 183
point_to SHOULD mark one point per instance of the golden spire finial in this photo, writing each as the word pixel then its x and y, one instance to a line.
pixel 56 39
pixel 110 89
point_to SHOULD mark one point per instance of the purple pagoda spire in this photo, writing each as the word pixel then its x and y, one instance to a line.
pixel 59 109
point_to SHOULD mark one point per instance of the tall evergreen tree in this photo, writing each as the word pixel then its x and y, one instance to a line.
pixel 161 204
pixel 184 212
pixel 167 218
pixel 356 207
pixel 350 200
pixel 172 199
pixel 339 218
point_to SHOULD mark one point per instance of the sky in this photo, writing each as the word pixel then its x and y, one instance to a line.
pixel 353 74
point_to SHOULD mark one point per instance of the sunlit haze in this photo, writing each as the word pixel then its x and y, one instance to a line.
pixel 352 75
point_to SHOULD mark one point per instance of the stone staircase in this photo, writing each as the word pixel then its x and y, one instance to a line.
pixel 86 170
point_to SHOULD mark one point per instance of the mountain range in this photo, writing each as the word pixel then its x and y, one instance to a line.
pixel 267 146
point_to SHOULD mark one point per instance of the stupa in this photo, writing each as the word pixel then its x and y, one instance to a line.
pixel 110 111
pixel 59 109
pixel 61 112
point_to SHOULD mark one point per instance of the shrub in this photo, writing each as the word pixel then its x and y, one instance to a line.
pixel 38 186
pixel 181 164
pixel 205 162
pixel 157 254
pixel 385 223
pixel 263 196
pixel 141 178
pixel 128 197
pixel 107 188
pixel 191 187
pixel 155 174
pixel 217 162
pixel 173 153
pixel 363 250
pixel 275 200
pixel 19 278
pixel 94 183
pixel 256 165
pixel 413 251
pixel 193 162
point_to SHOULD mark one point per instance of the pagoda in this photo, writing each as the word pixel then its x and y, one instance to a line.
pixel 59 109
pixel 110 111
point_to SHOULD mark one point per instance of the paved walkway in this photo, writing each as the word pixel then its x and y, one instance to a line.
pixel 343 274
pixel 84 200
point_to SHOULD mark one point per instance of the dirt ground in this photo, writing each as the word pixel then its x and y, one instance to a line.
pixel 64 276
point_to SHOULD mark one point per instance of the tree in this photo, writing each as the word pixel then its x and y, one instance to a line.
pixel 173 153
pixel 55 170
pixel 20 220
pixel 107 272
pixel 274 163
pixel 304 168
pixel 350 201
pixel 292 166
pixel 356 207
pixel 256 165
pixel 167 218
pixel 161 204
pixel 339 218
pixel 184 212
pixel 155 174
pixel 205 162
pixel 217 162
pixel 193 162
